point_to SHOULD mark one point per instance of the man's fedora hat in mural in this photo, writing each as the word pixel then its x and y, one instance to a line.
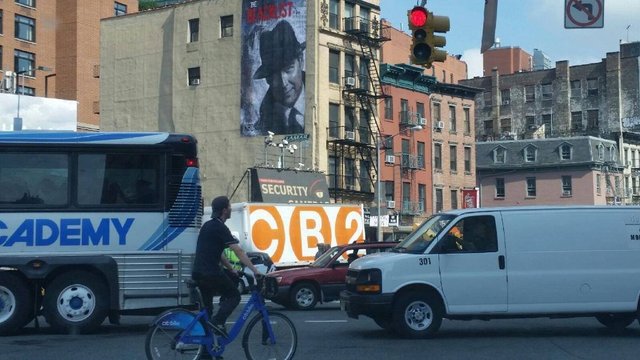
pixel 278 48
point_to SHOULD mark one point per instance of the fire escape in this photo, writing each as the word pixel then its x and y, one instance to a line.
pixel 354 143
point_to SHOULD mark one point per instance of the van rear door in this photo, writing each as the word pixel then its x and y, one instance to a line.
pixel 472 271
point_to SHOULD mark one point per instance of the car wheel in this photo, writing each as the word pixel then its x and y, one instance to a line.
pixel 417 315
pixel 304 296
pixel 616 321
pixel 76 302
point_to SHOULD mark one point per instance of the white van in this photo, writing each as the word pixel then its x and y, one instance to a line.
pixel 491 263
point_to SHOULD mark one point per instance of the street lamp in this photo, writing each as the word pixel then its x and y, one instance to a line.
pixel 378 183
pixel 17 121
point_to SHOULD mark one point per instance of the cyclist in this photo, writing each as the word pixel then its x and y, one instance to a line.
pixel 214 237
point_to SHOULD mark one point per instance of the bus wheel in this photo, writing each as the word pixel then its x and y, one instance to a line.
pixel 76 302
pixel 16 303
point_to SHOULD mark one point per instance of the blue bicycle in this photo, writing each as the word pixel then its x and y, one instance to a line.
pixel 182 334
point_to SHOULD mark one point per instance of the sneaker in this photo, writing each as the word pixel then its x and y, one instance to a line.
pixel 219 329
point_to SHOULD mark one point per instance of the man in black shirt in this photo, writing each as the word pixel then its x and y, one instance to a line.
pixel 214 237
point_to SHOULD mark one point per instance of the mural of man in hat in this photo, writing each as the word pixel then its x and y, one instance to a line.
pixel 282 57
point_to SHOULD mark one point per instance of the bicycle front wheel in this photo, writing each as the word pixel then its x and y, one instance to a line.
pixel 162 340
pixel 257 344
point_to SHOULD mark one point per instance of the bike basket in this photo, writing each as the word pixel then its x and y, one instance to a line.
pixel 269 287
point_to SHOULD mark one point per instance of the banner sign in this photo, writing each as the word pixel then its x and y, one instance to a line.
pixel 470 198
pixel 273 41
pixel 288 186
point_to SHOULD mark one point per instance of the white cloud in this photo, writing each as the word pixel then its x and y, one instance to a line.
pixel 473 58
pixel 38 113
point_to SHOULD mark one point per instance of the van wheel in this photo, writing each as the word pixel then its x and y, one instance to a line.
pixel 616 321
pixel 76 302
pixel 16 303
pixel 304 296
pixel 417 315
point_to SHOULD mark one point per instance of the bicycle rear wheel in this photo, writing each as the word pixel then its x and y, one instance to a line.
pixel 256 342
pixel 161 342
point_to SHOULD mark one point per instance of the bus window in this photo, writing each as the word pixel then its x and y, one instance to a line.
pixel 131 179
pixel 33 179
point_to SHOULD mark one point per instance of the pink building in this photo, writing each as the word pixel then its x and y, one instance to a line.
pixel 559 171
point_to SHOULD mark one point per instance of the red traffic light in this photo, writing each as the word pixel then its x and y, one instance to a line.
pixel 418 16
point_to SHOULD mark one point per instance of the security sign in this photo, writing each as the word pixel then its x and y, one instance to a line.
pixel 580 14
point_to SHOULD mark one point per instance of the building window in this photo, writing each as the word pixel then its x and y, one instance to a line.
pixel 194 76
pixel 194 29
pixel 119 9
pixel 419 112
pixel 24 61
pixel 547 91
pixel 334 67
pixel 364 19
pixel 467 120
pixel 488 127
pixel 500 193
pixel 499 155
pixel 26 90
pixel 576 89
pixel 452 118
pixel 406 197
pixel 29 3
pixel 1 53
pixel 332 172
pixel 349 65
pixel 436 113
pixel 487 98
pixel 439 204
pixel 505 96
pixel 226 26
pixel 546 121
pixel 1 23
pixel 453 158
pixel 349 173
pixel 334 119
pixel 421 154
pixel 25 28
pixel 505 126
pixel 388 108
pixel 530 93
pixel 454 199
pixel 467 159
pixel 566 186
pixel 601 152
pixel 348 17
pixel 592 87
pixel 576 120
pixel 530 153
pixel 592 119
pixel 404 111
pixel 565 152
pixel 437 156
pixel 530 120
pixel 598 187
pixel 333 14
pixel 531 187
pixel 422 197
pixel 389 187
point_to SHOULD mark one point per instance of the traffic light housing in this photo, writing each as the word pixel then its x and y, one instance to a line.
pixel 424 43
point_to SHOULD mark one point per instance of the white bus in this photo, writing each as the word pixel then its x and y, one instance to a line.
pixel 95 225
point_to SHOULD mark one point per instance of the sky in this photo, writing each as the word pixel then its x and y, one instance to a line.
pixel 38 113
pixel 528 24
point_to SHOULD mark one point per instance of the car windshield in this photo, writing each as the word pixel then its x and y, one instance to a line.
pixel 418 241
pixel 326 257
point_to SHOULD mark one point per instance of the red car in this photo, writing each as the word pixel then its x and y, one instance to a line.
pixel 302 288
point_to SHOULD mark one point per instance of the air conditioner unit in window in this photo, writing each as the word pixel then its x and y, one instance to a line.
pixel 351 187
pixel 390 159
pixel 566 193
pixel 505 102
pixel 350 81
pixel 421 121
pixel 195 82
pixel 439 125
pixel 391 204
pixel 349 135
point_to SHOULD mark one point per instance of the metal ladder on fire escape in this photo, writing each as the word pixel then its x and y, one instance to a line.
pixel 369 90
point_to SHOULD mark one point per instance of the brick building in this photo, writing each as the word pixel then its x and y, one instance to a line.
pixel 61 39
pixel 599 99
pixel 507 60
